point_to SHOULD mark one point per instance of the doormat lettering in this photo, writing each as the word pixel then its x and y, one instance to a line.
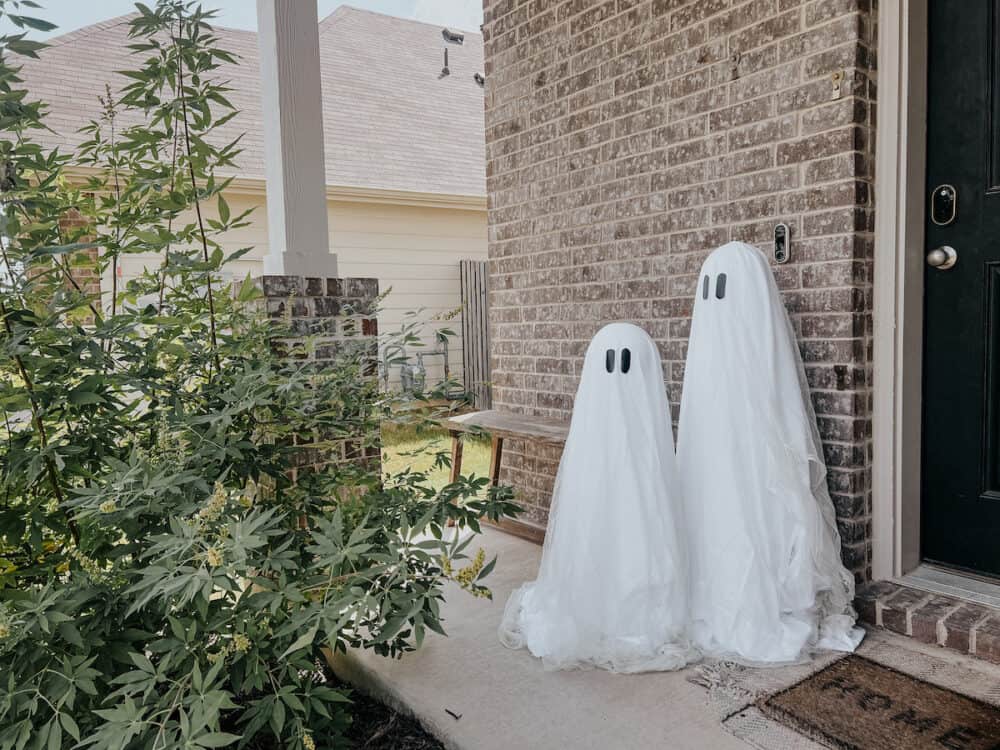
pixel 857 704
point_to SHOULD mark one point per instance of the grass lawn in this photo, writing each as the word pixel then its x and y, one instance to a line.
pixel 404 447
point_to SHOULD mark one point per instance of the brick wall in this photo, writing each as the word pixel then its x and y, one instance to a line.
pixel 83 264
pixel 78 271
pixel 628 138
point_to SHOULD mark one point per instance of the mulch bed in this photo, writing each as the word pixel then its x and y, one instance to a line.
pixel 376 726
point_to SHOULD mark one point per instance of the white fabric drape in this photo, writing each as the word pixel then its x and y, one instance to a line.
pixel 767 583
pixel 611 589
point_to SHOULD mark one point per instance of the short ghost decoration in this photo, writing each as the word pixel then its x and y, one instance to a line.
pixel 611 589
pixel 767 583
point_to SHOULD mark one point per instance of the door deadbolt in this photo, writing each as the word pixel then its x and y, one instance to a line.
pixel 942 258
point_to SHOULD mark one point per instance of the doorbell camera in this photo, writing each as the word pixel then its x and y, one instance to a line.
pixel 782 243
pixel 944 205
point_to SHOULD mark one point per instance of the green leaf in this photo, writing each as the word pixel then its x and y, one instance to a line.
pixel 248 290
pixel 31 23
pixel 217 739
pixel 68 631
pixel 25 47
pixel 292 701
pixel 223 209
pixel 278 717
pixel 391 628
pixel 487 569
pixel 63 249
pixel 69 724
pixel 143 663
pixel 302 641
pixel 83 398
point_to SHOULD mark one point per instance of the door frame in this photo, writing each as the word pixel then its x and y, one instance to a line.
pixel 897 360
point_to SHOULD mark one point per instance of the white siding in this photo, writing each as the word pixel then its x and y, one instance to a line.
pixel 415 251
pixel 412 249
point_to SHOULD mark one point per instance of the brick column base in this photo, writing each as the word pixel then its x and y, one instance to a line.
pixel 326 317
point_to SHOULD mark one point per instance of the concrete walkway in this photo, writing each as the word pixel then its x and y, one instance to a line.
pixel 508 702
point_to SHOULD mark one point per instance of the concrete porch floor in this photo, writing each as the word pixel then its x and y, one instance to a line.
pixel 507 701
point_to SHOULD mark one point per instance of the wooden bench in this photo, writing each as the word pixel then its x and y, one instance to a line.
pixel 502 425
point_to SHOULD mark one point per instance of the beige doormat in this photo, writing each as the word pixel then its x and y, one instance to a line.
pixel 738 694
pixel 857 704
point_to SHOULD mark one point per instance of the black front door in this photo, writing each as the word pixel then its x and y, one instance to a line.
pixel 960 518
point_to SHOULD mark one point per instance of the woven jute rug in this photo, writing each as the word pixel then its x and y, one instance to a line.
pixel 938 699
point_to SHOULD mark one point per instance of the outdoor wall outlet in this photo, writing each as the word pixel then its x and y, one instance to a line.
pixel 782 243
pixel 836 81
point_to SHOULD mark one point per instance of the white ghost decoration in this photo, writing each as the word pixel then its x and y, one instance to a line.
pixel 611 588
pixel 767 582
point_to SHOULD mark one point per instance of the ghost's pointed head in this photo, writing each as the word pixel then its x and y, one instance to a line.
pixel 621 393
pixel 733 279
pixel 620 351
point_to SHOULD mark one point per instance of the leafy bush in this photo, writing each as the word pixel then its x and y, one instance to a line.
pixel 163 581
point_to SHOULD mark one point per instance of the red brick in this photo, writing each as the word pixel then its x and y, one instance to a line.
pixel 987 634
pixel 958 627
pixel 925 621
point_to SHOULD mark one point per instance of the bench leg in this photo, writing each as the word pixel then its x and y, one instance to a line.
pixel 456 455
pixel 496 453
pixel 456 460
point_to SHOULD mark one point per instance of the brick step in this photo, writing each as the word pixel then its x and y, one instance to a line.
pixel 955 624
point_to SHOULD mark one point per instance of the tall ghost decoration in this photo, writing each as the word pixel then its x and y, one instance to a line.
pixel 611 589
pixel 767 583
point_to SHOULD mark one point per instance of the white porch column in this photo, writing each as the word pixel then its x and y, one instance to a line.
pixel 292 114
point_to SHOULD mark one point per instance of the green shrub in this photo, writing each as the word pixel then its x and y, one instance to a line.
pixel 163 581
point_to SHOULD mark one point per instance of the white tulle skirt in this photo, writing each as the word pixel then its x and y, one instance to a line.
pixel 561 641
pixel 611 590
pixel 767 582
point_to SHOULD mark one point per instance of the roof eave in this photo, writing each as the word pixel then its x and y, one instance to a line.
pixel 257 186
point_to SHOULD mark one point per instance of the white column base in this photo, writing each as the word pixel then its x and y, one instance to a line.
pixel 321 263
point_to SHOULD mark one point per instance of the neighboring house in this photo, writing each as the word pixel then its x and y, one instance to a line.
pixel 626 140
pixel 405 164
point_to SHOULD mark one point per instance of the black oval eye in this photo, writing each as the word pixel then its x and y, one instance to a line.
pixel 609 360
pixel 626 360
pixel 704 288
pixel 720 286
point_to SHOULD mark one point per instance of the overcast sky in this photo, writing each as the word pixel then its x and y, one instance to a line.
pixel 242 14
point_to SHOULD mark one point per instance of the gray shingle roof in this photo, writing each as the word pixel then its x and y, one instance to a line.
pixel 391 121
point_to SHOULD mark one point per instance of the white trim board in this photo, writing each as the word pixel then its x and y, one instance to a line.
pixel 898 286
